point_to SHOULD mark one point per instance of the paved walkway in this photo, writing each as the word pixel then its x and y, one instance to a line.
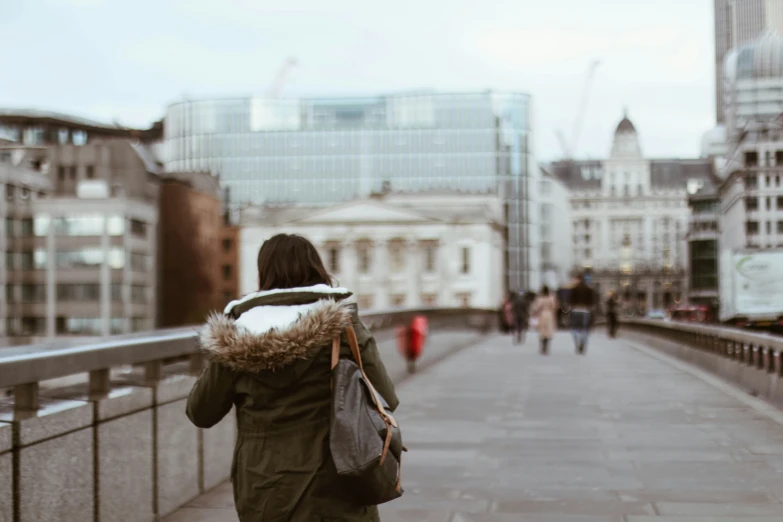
pixel 498 433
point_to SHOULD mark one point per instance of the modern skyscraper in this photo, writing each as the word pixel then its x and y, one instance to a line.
pixel 738 22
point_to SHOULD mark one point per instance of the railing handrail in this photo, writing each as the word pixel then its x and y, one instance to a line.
pixel 44 362
pixel 722 332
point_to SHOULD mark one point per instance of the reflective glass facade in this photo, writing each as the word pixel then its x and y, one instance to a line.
pixel 331 150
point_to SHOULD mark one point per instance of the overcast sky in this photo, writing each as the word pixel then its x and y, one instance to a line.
pixel 114 60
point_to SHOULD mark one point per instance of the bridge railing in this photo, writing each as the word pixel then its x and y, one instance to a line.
pixel 750 359
pixel 98 431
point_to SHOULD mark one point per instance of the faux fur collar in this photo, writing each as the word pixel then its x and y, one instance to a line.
pixel 271 337
pixel 271 295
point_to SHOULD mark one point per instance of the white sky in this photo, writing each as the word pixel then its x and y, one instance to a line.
pixel 125 61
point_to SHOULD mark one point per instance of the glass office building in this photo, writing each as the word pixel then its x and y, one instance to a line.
pixel 328 150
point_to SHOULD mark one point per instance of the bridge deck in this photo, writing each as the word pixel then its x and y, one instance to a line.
pixel 498 433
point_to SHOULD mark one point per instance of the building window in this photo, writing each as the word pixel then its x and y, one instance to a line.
pixel 769 181
pixel 396 252
pixel 79 137
pixel 137 228
pixel 769 203
pixel 116 292
pixel 72 171
pixel 10 296
pixel 79 292
pixel 365 302
pixel 117 325
pixel 780 227
pixel 430 252
pixel 463 299
pixel 138 294
pixel 751 159
pixel 752 228
pixel 61 173
pixel 398 300
pixel 115 226
pixel 79 325
pixel 751 204
pixel 334 259
pixel 138 262
pixel 751 181
pixel 465 261
pixel 27 227
pixel 138 324
pixel 588 254
pixel 90 172
pixel 227 245
pixel 777 178
pixel 780 202
pixel 364 255
pixel 227 271
pixel 769 227
pixel 33 293
pixel 428 299
pixel 33 325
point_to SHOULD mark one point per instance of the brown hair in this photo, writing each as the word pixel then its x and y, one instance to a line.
pixel 290 261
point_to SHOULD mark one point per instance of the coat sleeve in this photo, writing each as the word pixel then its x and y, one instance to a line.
pixel 212 396
pixel 373 364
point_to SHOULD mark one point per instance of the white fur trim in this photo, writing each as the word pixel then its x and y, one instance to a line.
pixel 317 289
pixel 262 319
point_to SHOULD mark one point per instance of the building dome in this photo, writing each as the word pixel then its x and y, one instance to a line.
pixel 760 59
pixel 625 125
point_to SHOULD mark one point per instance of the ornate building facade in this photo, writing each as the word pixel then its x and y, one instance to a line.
pixel 397 250
pixel 630 216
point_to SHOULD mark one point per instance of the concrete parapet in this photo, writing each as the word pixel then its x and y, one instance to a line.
pixel 6 474
pixel 177 457
pixel 54 446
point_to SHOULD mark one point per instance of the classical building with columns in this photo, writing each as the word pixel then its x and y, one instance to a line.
pixel 395 250
pixel 630 217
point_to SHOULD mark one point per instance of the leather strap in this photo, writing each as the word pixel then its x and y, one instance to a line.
pixel 388 419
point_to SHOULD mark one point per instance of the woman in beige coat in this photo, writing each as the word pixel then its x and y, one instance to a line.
pixel 545 309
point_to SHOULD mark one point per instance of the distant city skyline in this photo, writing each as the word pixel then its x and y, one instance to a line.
pixel 656 59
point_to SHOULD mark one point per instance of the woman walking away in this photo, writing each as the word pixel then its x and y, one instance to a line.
pixel 611 314
pixel 270 358
pixel 545 309
pixel 582 302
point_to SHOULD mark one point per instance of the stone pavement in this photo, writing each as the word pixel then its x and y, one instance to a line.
pixel 498 433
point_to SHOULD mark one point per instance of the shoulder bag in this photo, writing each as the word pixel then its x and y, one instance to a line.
pixel 365 440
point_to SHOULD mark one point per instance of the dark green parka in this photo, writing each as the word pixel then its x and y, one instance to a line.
pixel 270 358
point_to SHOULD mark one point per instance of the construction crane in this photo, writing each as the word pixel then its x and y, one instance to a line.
pixel 282 75
pixel 569 148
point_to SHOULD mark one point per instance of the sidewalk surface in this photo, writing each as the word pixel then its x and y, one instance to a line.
pixel 498 433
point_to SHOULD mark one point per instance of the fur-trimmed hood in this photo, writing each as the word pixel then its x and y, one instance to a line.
pixel 273 329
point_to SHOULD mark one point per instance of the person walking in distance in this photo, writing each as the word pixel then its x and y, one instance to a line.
pixel 519 306
pixel 545 309
pixel 270 360
pixel 611 314
pixel 582 301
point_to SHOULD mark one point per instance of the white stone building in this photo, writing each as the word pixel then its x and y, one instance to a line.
pixel 751 189
pixel 395 250
pixel 630 217
pixel 557 255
